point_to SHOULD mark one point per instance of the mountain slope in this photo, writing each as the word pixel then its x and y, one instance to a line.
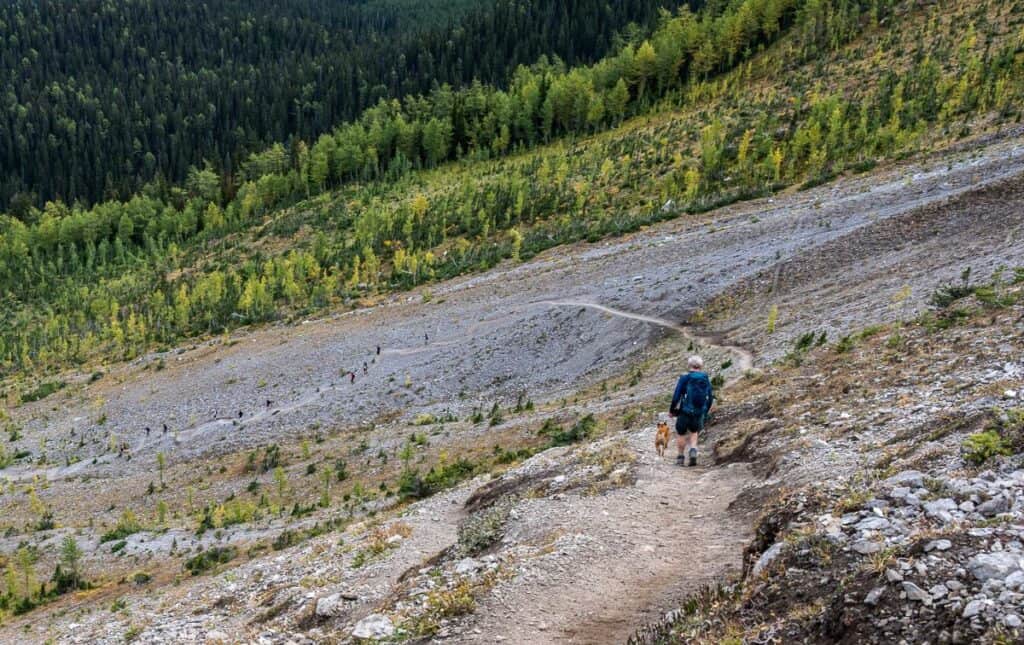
pixel 284 479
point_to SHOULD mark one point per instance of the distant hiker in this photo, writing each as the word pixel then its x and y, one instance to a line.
pixel 378 350
pixel 165 428
pixel 240 415
pixel 268 404
pixel 366 368
pixel 147 431
pixel 691 402
pixel 426 339
pixel 351 377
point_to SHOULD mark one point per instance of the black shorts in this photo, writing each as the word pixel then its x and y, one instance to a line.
pixel 686 424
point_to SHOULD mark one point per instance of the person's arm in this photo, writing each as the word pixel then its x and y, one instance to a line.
pixel 673 409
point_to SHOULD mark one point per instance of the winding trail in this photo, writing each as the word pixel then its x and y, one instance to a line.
pixel 744 358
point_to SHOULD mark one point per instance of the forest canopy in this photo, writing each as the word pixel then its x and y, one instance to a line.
pixel 101 97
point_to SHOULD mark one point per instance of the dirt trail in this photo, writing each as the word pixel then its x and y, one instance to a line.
pixel 624 558
pixel 644 548
pixel 744 359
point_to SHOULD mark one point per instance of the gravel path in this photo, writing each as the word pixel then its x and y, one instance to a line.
pixel 625 557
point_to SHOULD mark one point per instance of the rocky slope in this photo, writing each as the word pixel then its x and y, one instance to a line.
pixel 583 541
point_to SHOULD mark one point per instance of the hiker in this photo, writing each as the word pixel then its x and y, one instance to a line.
pixel 366 368
pixel 147 431
pixel 426 338
pixel 351 377
pixel 378 350
pixel 165 428
pixel 691 403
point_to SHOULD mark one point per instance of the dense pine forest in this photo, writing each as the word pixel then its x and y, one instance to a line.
pixel 102 97
pixel 734 100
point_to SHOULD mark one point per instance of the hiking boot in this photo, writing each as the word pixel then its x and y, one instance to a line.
pixel 693 456
pixel 680 460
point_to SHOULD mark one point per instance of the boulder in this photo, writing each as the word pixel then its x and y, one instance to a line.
pixel 375 627
pixel 908 478
pixel 939 506
pixel 1015 580
pixel 986 566
pixel 466 566
pixel 994 506
pixel 328 606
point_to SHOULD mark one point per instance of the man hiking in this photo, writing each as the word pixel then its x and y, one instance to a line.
pixel 691 403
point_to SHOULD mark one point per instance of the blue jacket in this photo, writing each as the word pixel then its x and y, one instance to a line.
pixel 680 394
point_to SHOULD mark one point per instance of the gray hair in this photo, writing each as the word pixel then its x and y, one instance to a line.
pixel 696 363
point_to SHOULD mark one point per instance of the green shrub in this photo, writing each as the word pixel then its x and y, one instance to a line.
pixel 582 429
pixel 479 531
pixel 210 558
pixel 270 460
pixel 44 390
pixel 982 446
pixel 126 525
pixel 411 485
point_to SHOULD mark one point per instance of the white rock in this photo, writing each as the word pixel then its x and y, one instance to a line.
pixel 893 575
pixel 374 626
pixel 1012 621
pixel 328 605
pixel 767 558
pixel 467 566
pixel 216 636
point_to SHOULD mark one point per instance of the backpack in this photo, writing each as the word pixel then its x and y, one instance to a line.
pixel 698 393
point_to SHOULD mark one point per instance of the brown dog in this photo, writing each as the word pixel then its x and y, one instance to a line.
pixel 661 438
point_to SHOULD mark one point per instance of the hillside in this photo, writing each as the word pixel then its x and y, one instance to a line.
pixel 103 99
pixel 421 402
pixel 120 279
